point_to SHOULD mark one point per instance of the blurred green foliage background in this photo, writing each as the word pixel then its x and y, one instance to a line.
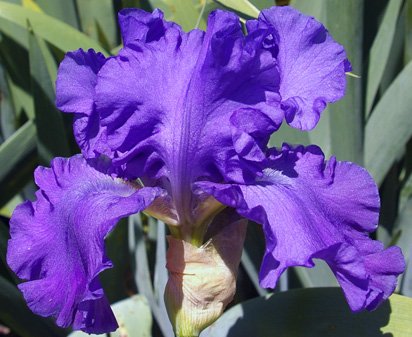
pixel 372 126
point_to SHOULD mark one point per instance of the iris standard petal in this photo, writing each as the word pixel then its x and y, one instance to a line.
pixel 57 241
pixel 162 101
pixel 171 107
pixel 312 65
pixel 139 25
pixel 75 93
pixel 310 209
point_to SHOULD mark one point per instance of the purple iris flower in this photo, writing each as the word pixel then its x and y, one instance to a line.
pixel 178 124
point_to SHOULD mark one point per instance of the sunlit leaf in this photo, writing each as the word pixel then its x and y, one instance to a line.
pixel 380 51
pixel 404 226
pixel 31 4
pixel 51 134
pixel 242 6
pixel 138 249
pixel 95 15
pixel 390 126
pixel 62 10
pixel 184 12
pixel 318 276
pixel 46 27
pixel 344 21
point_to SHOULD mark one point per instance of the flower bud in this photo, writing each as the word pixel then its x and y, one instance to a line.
pixel 202 280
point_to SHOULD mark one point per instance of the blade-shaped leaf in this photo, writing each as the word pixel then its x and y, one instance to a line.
pixel 408 31
pixel 289 135
pixel 161 274
pixel 184 12
pixel 16 147
pixel 52 140
pixel 312 313
pixel 241 6
pixel 390 126
pixel 380 51
pixel 15 60
pixel 262 4
pixel 7 117
pixel 13 17
pixel 404 225
pixel 318 276
pixel 98 13
pixel 316 8
pixel 137 247
pixel 344 20
pixel 62 10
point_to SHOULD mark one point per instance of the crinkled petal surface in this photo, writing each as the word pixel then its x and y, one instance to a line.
pixel 312 65
pixel 57 241
pixel 75 93
pixel 309 209
pixel 173 102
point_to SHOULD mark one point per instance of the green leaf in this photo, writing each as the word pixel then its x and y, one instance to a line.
pixel 404 226
pixel 7 117
pixel 390 126
pixel 137 247
pixel 62 10
pixel 380 52
pixel 184 12
pixel 52 139
pixel 22 100
pixel 15 314
pixel 133 316
pixel 262 4
pixel 312 313
pixel 316 8
pixel 408 31
pixel 15 60
pixel 160 272
pixel 289 135
pixel 95 15
pixel 318 276
pixel 241 6
pixel 17 147
pixel 13 17
pixel 396 57
pixel 344 21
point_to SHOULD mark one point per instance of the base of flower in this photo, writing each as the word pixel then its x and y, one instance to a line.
pixel 202 280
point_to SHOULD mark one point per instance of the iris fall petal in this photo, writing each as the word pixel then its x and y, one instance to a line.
pixel 57 241
pixel 310 209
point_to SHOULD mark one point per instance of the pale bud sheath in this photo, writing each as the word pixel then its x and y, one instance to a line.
pixel 202 280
